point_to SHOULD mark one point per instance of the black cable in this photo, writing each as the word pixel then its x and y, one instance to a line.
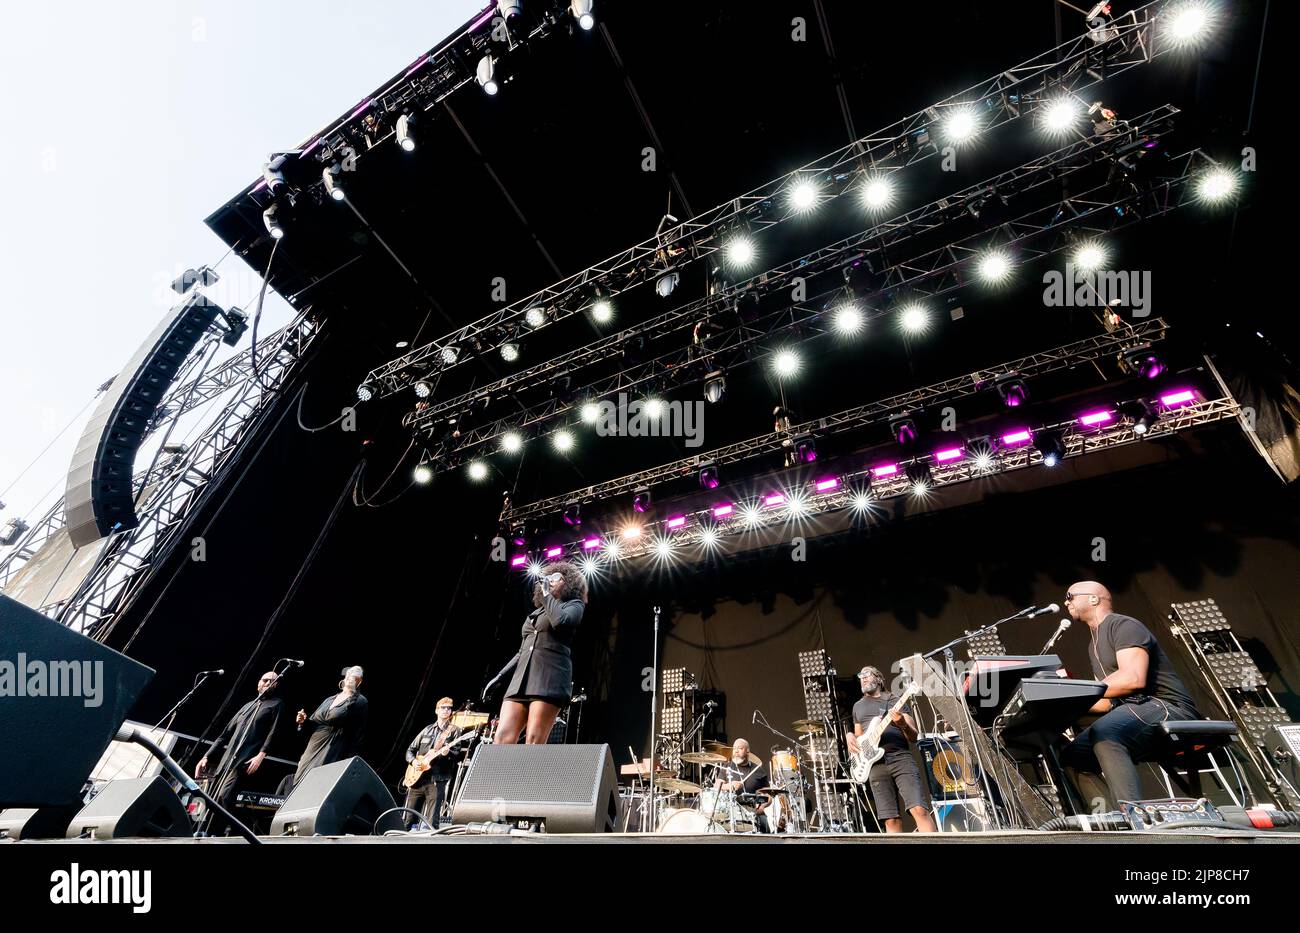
pixel 257 315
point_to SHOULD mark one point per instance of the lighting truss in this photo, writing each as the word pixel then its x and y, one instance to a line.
pixel 1069 68
pixel 1043 232
pixel 1034 366
pixel 691 537
pixel 887 235
pixel 174 490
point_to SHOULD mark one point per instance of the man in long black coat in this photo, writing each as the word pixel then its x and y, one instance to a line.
pixel 245 742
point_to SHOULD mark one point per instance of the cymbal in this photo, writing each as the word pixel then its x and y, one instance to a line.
pixel 769 791
pixel 677 786
pixel 808 727
pixel 717 748
pixel 702 758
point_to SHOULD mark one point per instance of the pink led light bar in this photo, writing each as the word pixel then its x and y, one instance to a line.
pixel 775 498
pixel 1093 418
pixel 720 511
pixel 1016 437
pixel 677 521
pixel 555 552
pixel 591 544
pixel 952 453
pixel 519 560
pixel 1174 399
pixel 826 485
pixel 889 470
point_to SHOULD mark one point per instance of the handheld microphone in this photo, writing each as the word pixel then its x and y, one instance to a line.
pixel 1051 607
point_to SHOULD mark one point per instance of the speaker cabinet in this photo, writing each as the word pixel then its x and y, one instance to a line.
pixel 41 823
pixel 340 799
pixel 139 807
pixel 566 788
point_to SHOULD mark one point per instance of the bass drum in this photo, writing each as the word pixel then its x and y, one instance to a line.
pixel 685 823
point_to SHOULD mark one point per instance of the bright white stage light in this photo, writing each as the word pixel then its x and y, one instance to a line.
pixel 590 412
pixel 961 125
pixel 653 408
pixel 740 251
pixel 535 316
pixel 804 195
pixel 512 442
pixel 786 363
pixel 1060 116
pixel 994 267
pixel 1090 255
pixel 602 312
pixel 562 441
pixel 509 352
pixel 477 470
pixel 485 74
pixel 848 320
pixel 861 502
pixel 1189 22
pixel 709 538
pixel 877 193
pixel 750 517
pixel 1216 186
pixel 914 319
pixel 423 474
pixel 581 10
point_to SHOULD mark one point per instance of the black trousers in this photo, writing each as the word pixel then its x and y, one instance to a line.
pixel 230 784
pixel 1113 744
pixel 427 797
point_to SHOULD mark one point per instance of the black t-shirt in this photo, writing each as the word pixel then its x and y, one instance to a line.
pixel 868 708
pixel 754 776
pixel 1118 632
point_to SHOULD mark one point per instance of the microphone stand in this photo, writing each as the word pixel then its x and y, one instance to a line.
pixel 654 702
pixel 175 710
pixel 967 636
pixel 1060 630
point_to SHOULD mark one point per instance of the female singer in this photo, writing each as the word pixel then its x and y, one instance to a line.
pixel 543 679
pixel 337 725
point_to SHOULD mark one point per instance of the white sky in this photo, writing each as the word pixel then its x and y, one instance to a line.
pixel 127 123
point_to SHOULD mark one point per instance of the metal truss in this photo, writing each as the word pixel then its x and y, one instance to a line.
pixel 880 238
pixel 1064 71
pixel 1041 233
pixel 703 533
pixel 1033 366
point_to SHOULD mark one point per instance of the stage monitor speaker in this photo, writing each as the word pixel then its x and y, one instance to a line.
pixel 340 799
pixel 566 788
pixel 99 498
pixel 135 808
pixel 64 697
pixel 42 823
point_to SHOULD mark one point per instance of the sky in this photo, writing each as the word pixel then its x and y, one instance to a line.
pixel 129 122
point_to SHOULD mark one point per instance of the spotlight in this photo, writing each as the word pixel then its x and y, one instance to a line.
pixel 961 125
pixel 805 449
pixel 477 470
pixel 1142 361
pixel 572 513
pixel 980 450
pixel 877 193
pixel 512 442
pixel 914 319
pixel 602 312
pixel 919 490
pixel 918 474
pixel 273 174
pixel 365 392
pixel 562 441
pixel 449 355
pixel 861 502
pixel 665 284
pixel 510 351
pixel 653 408
pixel 1011 389
pixel 589 566
pixel 589 412
pixel 995 267
pixel 1142 416
pixel 715 387
pixel 581 10
pixel 612 549
pixel 1060 116
pixel 903 429
pixel 750 517
pixel 1051 445
pixel 663 548
pixel 332 175
pixel 804 195
pixel 405 132
pixel 632 532
pixel 422 389
pixel 642 501
pixel 423 474
pixel 535 316
pixel 786 363
pixel 848 319
pixel 1089 255
pixel 270 220
pixel 1216 186
pixel 709 476
pixel 486 73
pixel 509 8
pixel 740 251
pixel 796 505
pixel 709 538
pixel 535 568
pixel 1188 22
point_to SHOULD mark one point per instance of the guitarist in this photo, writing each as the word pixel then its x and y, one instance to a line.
pixel 429 792
pixel 897 772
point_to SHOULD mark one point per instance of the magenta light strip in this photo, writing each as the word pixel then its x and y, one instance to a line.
pixel 361 108
pixel 885 470
pixel 487 15
pixel 722 510
pixel 826 485
pixel 555 552
pixel 591 544
pixel 519 561
pixel 418 65
pixel 677 521
pixel 1177 398
pixel 1016 437
pixel 952 453
pixel 1096 417
pixel 775 498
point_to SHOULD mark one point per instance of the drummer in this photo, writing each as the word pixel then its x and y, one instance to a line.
pixel 743 774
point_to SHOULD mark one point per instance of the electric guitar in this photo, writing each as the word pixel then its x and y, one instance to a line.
pixel 869 750
pixel 422 763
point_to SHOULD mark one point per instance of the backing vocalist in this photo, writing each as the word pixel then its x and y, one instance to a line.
pixel 543 677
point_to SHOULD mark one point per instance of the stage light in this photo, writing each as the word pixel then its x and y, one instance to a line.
pixel 642 501
pixel 591 544
pixel 612 550
pixel 919 490
pixel 677 521
pixel 740 251
pixel 631 532
pixel 332 176
pixel 1143 361
pixel 422 389
pixel 1016 438
pixel 786 363
pixel 1059 116
pixel 1178 399
pixel 270 220
pixel 750 517
pixel 510 352
pixel 423 474
pixel 663 548
pixel 796 505
pixel 709 477
pixel 562 441
pixel 982 461
pixel 1051 445
pixel 590 412
pixel 961 125
pixel 902 428
pixel 948 455
pixel 653 408
pixel 804 195
pixel 1142 416
pixel 877 193
pixel 1094 418
pixel 602 312
pixel 715 387
pixel 1011 389
pixel 1189 22
pixel 589 566
pixel 861 502
pixel 477 470
pixel 805 449
pixel 830 484
pixel 581 10
pixel 273 174
pixel 406 132
pixel 535 316
pixel 995 267
pixel 512 442
pixel 535 569
pixel 723 510
pixel 774 499
pixel 848 320
pixel 486 75
pixel 1089 255
pixel 1216 185
pixel 919 477
pixel 914 319
pixel 665 284
pixel 572 514
pixel 519 560
pixel 449 355
pixel 509 8
pixel 709 538
pixel 365 392
pixel 554 552
pixel 886 471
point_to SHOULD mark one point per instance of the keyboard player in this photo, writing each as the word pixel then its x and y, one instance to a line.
pixel 1142 690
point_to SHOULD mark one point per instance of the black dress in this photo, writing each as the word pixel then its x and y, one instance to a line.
pixel 544 666
pixel 336 733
